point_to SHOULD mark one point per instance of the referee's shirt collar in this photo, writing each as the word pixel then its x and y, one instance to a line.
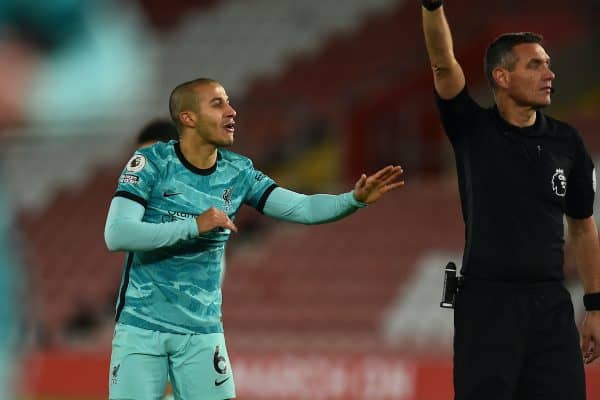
pixel 537 129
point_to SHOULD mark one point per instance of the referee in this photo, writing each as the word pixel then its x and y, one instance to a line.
pixel 519 173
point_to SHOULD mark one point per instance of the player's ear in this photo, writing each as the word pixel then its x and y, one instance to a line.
pixel 187 118
pixel 501 77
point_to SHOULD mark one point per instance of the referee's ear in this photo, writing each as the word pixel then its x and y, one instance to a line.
pixel 501 78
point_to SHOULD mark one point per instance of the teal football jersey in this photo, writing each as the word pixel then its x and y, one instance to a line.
pixel 177 288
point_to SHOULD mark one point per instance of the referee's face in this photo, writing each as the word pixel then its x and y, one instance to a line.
pixel 529 83
pixel 215 118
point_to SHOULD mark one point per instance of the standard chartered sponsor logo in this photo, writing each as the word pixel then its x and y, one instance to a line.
pixel 177 216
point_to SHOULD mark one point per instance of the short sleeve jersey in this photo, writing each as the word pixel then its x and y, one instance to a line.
pixel 516 185
pixel 177 288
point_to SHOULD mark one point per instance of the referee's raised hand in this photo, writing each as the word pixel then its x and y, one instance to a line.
pixel 369 189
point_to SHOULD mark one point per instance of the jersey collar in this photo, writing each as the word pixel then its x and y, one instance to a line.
pixel 191 167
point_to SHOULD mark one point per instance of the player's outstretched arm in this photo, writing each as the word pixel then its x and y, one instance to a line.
pixel 290 206
pixel 448 75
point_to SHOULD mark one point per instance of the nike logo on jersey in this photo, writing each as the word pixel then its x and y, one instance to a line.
pixel 219 383
pixel 165 194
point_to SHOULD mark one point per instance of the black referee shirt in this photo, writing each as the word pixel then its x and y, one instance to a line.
pixel 515 186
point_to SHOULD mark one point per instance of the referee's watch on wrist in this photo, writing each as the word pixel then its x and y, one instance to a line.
pixel 591 301
pixel 431 5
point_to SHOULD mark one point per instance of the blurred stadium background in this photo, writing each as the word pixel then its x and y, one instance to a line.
pixel 324 90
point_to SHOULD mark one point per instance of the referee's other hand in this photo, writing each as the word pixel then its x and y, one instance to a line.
pixel 590 336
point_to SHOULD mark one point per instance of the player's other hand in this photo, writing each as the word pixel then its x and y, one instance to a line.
pixel 590 336
pixel 369 189
pixel 214 218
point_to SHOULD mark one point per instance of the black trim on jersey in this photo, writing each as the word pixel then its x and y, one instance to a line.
pixel 124 287
pixel 131 196
pixel 263 198
pixel 189 165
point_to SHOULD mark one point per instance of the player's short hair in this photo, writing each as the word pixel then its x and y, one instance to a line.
pixel 184 97
pixel 499 53
pixel 159 130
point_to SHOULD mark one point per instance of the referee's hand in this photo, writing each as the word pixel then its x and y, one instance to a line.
pixel 590 336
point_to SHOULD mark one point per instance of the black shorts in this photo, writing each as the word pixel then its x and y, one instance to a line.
pixel 516 342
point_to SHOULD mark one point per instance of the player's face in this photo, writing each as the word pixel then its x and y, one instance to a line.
pixel 530 82
pixel 215 122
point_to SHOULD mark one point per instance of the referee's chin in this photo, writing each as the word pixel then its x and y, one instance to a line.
pixel 541 105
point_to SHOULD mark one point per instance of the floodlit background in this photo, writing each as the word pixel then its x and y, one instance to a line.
pixel 324 90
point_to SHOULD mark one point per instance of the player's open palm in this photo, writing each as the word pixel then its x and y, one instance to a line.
pixel 369 189
pixel 214 218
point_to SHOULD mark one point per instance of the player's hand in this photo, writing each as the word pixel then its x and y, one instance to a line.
pixel 214 218
pixel 369 189
pixel 590 336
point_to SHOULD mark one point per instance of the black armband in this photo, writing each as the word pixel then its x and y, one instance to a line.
pixel 591 301
pixel 431 5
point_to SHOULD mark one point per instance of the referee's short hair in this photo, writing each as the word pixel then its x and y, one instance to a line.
pixel 499 53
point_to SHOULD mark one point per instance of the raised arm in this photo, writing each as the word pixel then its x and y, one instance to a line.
pixel 448 76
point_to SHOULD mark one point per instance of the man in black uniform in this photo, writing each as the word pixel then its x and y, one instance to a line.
pixel 519 173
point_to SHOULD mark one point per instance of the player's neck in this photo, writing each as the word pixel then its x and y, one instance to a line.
pixel 515 114
pixel 200 155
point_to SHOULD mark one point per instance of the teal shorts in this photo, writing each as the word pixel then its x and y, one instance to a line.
pixel 142 360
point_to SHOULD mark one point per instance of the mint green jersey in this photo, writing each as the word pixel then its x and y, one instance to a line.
pixel 177 288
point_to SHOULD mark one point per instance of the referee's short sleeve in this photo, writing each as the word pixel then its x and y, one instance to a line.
pixel 581 184
pixel 457 114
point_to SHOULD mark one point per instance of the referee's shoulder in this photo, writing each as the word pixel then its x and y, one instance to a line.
pixel 561 128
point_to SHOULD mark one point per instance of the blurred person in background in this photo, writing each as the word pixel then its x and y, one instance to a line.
pixel 9 300
pixel 60 61
pixel 159 130
pixel 520 171
pixel 173 213
pixel 64 60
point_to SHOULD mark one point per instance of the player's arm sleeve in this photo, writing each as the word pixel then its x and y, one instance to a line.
pixel 290 206
pixel 581 184
pixel 125 231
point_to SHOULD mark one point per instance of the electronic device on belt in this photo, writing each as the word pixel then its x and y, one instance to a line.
pixel 451 286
